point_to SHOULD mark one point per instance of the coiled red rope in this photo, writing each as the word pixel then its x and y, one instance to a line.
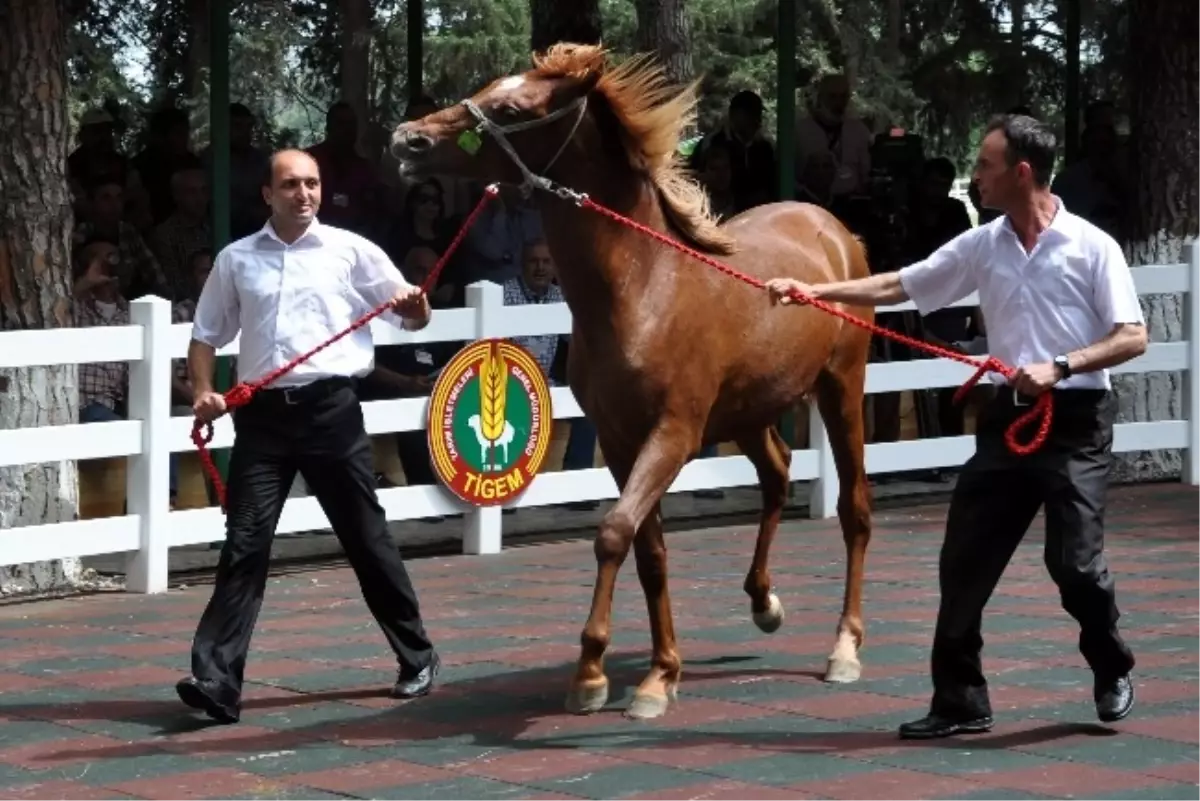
pixel 1041 410
pixel 242 393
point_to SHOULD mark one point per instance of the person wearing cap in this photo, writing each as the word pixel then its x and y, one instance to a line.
pixel 96 158
pixel 751 154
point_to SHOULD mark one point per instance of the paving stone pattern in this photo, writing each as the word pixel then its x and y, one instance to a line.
pixel 88 710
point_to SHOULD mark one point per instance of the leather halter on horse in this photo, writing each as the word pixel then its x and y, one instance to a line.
pixel 500 132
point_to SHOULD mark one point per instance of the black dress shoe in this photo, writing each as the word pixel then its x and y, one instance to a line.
pixel 420 684
pixel 205 694
pixel 1114 699
pixel 931 727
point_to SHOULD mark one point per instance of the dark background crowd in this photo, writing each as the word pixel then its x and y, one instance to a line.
pixel 144 227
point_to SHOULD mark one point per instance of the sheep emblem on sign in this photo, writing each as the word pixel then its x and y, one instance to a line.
pixel 491 426
pixel 489 422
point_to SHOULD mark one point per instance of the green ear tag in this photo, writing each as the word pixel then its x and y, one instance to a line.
pixel 470 141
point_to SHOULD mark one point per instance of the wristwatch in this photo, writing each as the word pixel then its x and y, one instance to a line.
pixel 1064 365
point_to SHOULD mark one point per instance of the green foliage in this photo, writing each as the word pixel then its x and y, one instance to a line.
pixel 955 64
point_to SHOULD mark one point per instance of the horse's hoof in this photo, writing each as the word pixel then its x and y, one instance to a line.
pixel 584 699
pixel 843 671
pixel 646 706
pixel 771 619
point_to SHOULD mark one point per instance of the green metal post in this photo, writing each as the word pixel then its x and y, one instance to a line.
pixel 785 132
pixel 218 110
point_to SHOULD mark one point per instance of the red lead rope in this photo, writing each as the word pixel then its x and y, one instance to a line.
pixel 241 394
pixel 1043 408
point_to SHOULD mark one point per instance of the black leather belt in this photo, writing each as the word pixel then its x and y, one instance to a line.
pixel 1068 397
pixel 314 391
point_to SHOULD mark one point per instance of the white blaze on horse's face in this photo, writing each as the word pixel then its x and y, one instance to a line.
pixel 511 82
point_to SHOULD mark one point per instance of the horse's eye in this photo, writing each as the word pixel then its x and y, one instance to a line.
pixel 510 112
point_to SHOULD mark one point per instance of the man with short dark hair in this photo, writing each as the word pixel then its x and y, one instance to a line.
pixel 287 289
pixel 753 174
pixel 1062 308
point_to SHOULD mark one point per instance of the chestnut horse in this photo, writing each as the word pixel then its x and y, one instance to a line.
pixel 667 354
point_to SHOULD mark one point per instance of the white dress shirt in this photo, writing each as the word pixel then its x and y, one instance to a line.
pixel 1067 293
pixel 287 299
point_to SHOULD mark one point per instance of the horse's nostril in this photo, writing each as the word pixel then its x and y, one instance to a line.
pixel 418 143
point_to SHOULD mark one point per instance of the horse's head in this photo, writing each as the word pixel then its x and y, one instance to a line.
pixel 525 121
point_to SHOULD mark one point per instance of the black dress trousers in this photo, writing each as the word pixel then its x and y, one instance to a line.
pixel 318 431
pixel 997 497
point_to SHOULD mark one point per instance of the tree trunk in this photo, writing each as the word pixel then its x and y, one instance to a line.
pixel 1165 209
pixel 663 29
pixel 556 21
pixel 35 225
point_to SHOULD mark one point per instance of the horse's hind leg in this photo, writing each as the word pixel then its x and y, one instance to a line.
pixel 642 486
pixel 772 458
pixel 839 398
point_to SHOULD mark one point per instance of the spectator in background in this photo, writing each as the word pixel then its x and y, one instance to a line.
pixel 935 219
pixel 247 165
pixel 409 371
pixel 350 188
pixel 104 386
pixel 96 157
pixel 828 127
pixel 169 143
pixel 187 230
pixel 138 273
pixel 495 242
pixel 816 179
pixel 536 284
pixel 1096 187
pixel 751 154
pixel 717 179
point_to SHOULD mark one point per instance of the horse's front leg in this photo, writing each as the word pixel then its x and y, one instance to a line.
pixel 655 467
pixel 657 691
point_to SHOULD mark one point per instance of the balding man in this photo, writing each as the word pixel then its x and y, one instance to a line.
pixel 829 129
pixel 286 289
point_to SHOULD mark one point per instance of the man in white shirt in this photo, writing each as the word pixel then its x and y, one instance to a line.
pixel 286 289
pixel 1062 308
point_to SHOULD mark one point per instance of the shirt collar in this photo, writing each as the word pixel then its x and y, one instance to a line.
pixel 532 296
pixel 315 230
pixel 1064 225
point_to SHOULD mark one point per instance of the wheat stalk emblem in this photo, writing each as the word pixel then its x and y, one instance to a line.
pixel 493 392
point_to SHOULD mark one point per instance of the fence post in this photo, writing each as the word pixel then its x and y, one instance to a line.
pixel 483 533
pixel 823 493
pixel 147 483
pixel 1191 381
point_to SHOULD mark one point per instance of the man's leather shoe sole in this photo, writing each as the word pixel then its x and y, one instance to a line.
pixel 193 693
pixel 933 727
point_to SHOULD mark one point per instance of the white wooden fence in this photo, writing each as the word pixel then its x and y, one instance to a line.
pixel 150 529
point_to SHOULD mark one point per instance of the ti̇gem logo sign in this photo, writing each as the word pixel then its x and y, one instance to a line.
pixel 489 422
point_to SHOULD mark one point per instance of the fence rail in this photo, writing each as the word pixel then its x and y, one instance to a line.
pixel 150 529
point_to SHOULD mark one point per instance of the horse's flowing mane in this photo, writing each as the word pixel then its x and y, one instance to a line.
pixel 652 113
